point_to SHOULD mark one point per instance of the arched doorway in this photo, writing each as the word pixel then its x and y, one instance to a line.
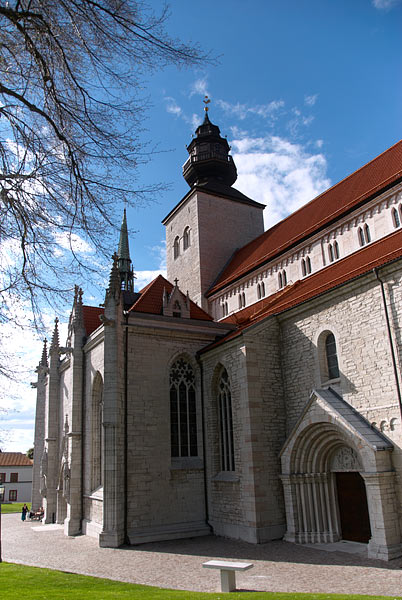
pixel 354 517
pixel 323 468
pixel 338 479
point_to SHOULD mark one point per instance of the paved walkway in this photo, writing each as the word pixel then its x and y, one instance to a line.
pixel 278 566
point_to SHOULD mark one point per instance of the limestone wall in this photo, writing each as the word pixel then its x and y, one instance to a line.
pixel 247 503
pixel 165 494
pixel 355 315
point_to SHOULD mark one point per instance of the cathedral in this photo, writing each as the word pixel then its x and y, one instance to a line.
pixel 256 392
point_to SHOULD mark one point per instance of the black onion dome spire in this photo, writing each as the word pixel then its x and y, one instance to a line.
pixel 209 158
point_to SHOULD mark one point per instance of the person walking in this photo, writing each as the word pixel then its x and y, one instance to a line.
pixel 24 512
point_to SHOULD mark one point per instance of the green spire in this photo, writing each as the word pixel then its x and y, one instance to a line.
pixel 123 256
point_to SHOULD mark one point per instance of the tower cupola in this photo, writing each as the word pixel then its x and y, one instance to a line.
pixel 209 156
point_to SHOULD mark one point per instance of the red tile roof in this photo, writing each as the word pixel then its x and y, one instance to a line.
pixel 14 459
pixel 151 300
pixel 91 318
pixel 343 197
pixel 374 255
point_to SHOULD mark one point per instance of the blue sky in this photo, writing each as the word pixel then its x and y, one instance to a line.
pixel 306 91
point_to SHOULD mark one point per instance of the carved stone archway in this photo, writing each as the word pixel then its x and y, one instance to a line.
pixel 329 437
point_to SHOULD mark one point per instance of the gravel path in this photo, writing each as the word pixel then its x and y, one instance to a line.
pixel 278 566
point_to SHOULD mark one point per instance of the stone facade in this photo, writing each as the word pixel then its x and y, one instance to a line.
pixel 235 402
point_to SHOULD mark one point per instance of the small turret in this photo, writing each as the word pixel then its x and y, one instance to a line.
pixel 124 260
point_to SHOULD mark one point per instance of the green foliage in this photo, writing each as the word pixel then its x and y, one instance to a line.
pixel 15 507
pixel 43 584
pixel 30 453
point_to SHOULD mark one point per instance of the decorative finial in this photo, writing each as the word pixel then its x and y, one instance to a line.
pixel 206 101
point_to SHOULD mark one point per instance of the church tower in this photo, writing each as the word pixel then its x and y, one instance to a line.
pixel 213 219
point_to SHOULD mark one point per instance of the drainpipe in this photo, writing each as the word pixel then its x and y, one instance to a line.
pixel 204 454
pixel 391 343
pixel 125 411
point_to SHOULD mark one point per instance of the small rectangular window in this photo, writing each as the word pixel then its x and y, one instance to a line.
pixel 12 495
pixel 14 478
pixel 2 477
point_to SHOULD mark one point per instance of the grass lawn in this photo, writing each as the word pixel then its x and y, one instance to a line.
pixel 15 507
pixel 32 583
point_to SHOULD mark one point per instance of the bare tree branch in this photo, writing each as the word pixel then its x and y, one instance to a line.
pixel 71 116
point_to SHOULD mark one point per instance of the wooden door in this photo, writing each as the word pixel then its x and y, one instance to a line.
pixel 353 509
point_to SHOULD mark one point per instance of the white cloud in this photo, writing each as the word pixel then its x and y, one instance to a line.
pixel 145 277
pixel 16 395
pixel 200 87
pixel 242 111
pixel 385 4
pixel 278 173
pixel 310 100
pixel 172 107
pixel 72 241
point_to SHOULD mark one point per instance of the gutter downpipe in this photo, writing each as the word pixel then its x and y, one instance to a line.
pixel 125 411
pixel 204 445
pixel 391 343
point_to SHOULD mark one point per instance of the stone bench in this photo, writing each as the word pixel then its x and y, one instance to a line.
pixel 228 572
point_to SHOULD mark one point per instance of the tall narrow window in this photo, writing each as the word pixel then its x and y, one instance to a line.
pixel 367 235
pixel 186 238
pixel 242 300
pixel 176 247
pixel 258 291
pixel 332 358
pixel 336 250
pixel 177 309
pixel 225 309
pixel 97 431
pixel 395 218
pixel 333 251
pixel 225 423
pixel 262 289
pixel 282 279
pixel 364 235
pixel 183 410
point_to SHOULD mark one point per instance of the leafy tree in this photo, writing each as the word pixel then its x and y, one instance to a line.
pixel 30 453
pixel 71 115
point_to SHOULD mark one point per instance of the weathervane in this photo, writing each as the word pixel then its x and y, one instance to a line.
pixel 206 101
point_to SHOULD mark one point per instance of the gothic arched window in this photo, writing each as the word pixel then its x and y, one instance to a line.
pixel 186 238
pixel 183 410
pixel 176 247
pixel 97 431
pixel 225 423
